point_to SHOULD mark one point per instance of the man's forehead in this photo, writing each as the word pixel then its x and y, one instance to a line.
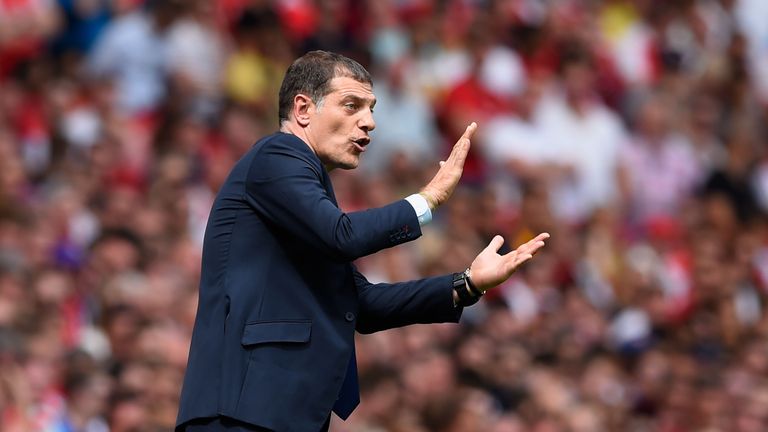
pixel 343 86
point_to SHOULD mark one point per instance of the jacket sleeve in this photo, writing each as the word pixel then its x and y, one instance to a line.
pixel 284 187
pixel 423 301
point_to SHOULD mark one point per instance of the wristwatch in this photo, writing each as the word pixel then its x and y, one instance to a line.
pixel 466 291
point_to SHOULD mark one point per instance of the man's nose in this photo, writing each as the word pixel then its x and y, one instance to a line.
pixel 367 123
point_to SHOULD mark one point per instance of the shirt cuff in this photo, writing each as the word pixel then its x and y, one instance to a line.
pixel 421 207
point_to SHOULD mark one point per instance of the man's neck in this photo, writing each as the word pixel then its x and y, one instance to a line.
pixel 294 129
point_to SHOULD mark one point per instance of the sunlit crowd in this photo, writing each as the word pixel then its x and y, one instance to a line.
pixel 634 131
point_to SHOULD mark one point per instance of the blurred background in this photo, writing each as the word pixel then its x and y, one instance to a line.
pixel 633 131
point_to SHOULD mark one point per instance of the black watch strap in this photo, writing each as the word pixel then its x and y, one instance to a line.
pixel 467 296
pixel 472 285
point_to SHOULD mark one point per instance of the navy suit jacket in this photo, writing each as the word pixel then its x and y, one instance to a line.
pixel 279 297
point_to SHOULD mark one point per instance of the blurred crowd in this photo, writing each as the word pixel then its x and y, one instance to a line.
pixel 634 131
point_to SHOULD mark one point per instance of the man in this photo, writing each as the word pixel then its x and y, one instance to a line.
pixel 273 343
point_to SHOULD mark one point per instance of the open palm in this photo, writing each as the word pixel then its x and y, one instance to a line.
pixel 490 269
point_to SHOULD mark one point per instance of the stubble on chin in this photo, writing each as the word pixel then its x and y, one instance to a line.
pixel 351 165
pixel 348 162
pixel 351 162
pixel 352 159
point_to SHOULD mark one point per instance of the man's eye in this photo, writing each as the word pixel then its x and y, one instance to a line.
pixel 351 106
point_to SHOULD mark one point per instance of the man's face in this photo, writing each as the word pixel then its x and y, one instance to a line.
pixel 339 126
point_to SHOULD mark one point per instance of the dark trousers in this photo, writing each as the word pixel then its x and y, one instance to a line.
pixel 226 424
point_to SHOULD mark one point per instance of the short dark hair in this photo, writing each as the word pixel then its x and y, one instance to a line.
pixel 312 73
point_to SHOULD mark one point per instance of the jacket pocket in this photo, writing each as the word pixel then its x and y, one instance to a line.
pixel 293 331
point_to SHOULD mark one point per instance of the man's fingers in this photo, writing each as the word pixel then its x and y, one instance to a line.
pixel 530 247
pixel 525 251
pixel 516 260
pixel 534 244
pixel 469 131
pixel 461 148
pixel 495 244
pixel 450 170
pixel 466 137
pixel 521 258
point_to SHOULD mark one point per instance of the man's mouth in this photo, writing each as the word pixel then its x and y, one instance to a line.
pixel 361 143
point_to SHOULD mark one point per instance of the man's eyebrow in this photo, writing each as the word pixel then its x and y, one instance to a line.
pixel 358 100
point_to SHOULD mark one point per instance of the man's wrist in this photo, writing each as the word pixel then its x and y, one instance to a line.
pixel 464 293
pixel 421 207
pixel 429 199
pixel 474 288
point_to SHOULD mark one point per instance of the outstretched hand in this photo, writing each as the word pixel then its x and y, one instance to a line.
pixel 444 182
pixel 490 269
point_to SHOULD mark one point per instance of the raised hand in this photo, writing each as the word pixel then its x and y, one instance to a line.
pixel 490 269
pixel 444 182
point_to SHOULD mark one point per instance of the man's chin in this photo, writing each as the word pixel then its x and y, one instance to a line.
pixel 350 164
pixel 345 165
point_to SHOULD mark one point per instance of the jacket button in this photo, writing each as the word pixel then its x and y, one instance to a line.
pixel 349 316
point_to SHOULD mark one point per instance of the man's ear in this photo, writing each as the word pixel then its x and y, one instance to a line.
pixel 302 106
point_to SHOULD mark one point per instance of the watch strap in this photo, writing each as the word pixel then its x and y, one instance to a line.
pixel 467 297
